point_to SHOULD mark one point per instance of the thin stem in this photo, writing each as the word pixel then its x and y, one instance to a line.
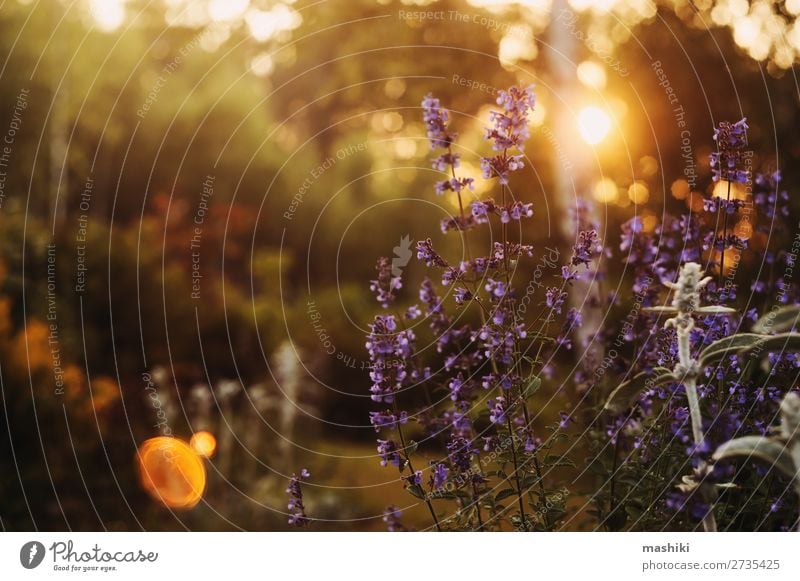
pixel 476 501
pixel 724 239
pixel 504 234
pixel 696 418
pixel 720 383
pixel 413 472
pixel 684 325
pixel 453 173
pixel 516 470
pixel 537 467
pixel 612 503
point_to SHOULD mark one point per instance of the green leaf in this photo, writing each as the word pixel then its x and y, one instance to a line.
pixel 624 395
pixel 411 447
pixel 783 343
pixel 728 346
pixel 555 461
pixel 503 494
pixel 769 450
pixel 532 387
pixel 778 320
pixel 715 310
pixel 416 490
pixel 661 310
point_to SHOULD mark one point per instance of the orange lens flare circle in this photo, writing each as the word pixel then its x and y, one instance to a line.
pixel 204 443
pixel 171 472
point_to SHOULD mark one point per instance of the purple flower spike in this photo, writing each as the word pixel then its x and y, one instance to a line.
pixel 728 162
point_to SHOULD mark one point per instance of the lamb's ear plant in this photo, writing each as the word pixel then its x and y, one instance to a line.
pixel 781 451
pixel 685 304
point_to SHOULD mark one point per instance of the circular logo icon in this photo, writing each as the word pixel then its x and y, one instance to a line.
pixel 31 554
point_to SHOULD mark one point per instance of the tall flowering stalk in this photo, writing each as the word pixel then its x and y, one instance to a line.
pixel 436 119
pixel 297 510
pixel 489 370
pixel 729 390
pixel 391 350
pixel 729 164
pixel 685 305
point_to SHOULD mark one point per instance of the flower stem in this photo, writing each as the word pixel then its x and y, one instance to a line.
pixel 476 499
pixel 724 238
pixel 411 468
pixel 516 469
pixel 694 409
pixel 696 419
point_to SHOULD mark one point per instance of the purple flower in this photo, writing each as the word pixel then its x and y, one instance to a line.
pixel 413 312
pixel 728 162
pixel 554 298
pixel 391 517
pixel 509 127
pixel 508 130
pixel 497 409
pixel 585 248
pixel 426 253
pixel 460 451
pixel 436 119
pixel 387 419
pixel 531 444
pixel 501 166
pixel 385 285
pixel 439 476
pixel 446 160
pixel 414 479
pixel 454 185
pixel 496 288
pixel 572 321
pixel 387 450
pixel 517 211
pixel 457 223
pixel 461 295
pixel 297 511
pixel 389 352
pixel 455 386
pixel 481 211
pixel 429 298
pixel 450 275
pixel 513 249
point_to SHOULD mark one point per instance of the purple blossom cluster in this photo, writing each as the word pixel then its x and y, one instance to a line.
pixel 508 131
pixel 490 359
pixel 735 398
pixel 392 517
pixel 297 510
pixel 390 350
pixel 485 353
pixel 436 119
pixel 386 285
pixel 728 162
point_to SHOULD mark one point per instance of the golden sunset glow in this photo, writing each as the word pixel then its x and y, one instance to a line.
pixel 108 15
pixel 593 124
